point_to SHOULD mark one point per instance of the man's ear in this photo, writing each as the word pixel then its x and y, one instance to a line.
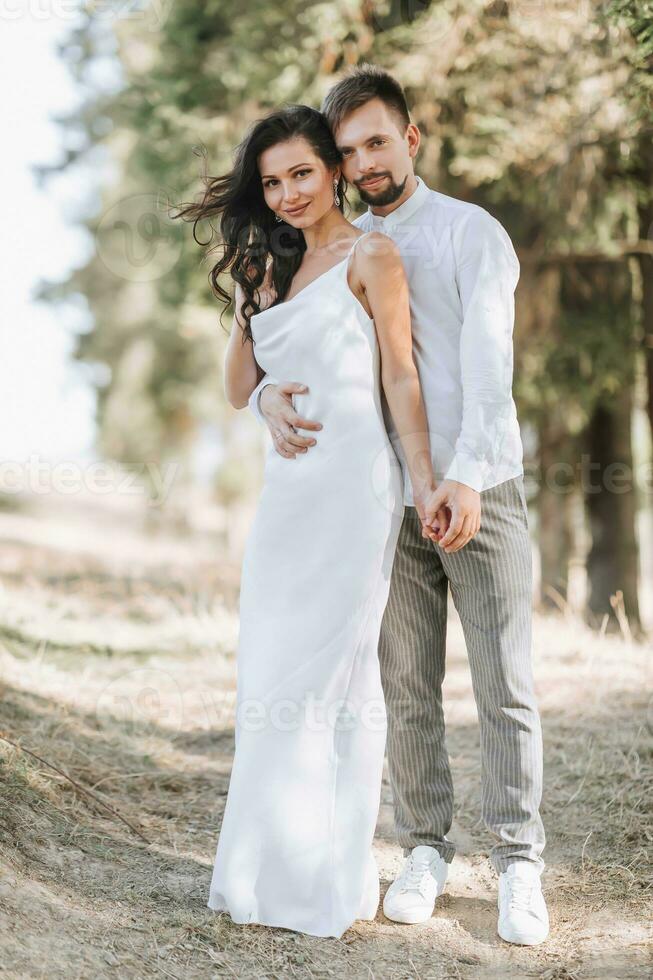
pixel 414 138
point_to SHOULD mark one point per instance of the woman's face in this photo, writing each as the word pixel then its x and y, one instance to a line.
pixel 297 185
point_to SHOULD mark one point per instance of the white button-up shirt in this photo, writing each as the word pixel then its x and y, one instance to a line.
pixel 462 271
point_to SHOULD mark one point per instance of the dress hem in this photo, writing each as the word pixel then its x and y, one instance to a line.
pixel 277 924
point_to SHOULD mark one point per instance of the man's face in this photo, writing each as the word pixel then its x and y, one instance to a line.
pixel 377 156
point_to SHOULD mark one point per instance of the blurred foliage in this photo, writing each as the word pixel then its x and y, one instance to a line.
pixel 535 110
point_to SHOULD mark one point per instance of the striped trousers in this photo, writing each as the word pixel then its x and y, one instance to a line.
pixel 491 586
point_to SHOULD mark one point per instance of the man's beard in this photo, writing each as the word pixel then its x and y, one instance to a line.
pixel 391 194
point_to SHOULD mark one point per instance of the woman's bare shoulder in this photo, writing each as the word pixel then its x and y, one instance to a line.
pixel 377 252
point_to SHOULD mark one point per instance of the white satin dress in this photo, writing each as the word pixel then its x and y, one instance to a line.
pixel 295 846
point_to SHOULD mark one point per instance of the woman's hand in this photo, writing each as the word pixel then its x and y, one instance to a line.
pixel 435 521
pixel 463 505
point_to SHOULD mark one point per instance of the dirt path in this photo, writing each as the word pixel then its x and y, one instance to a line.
pixel 120 671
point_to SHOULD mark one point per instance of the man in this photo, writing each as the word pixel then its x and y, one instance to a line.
pixel 462 271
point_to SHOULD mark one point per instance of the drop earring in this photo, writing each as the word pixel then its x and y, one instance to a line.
pixel 278 217
pixel 336 196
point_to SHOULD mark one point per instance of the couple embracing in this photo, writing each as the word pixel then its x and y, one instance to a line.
pixel 394 473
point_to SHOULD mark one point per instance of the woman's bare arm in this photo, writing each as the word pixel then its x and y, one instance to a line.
pixel 380 272
pixel 242 372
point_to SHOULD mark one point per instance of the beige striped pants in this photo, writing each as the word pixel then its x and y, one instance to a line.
pixel 491 585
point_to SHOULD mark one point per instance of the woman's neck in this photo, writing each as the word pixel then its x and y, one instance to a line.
pixel 322 236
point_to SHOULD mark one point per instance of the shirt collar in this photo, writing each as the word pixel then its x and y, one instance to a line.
pixel 404 211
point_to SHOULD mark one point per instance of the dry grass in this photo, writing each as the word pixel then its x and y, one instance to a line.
pixel 120 672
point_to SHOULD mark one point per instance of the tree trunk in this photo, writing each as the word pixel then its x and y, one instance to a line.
pixel 611 508
pixel 645 214
pixel 607 470
pixel 555 531
pixel 537 320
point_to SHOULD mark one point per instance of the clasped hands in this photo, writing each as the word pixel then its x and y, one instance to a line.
pixel 450 512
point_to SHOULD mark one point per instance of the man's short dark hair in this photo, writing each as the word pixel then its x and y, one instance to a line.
pixel 362 84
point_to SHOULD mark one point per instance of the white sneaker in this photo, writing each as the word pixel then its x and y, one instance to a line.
pixel 411 896
pixel 523 916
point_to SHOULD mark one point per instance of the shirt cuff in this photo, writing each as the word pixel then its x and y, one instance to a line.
pixel 468 470
pixel 254 397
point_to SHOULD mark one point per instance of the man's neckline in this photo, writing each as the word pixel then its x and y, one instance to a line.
pixel 405 210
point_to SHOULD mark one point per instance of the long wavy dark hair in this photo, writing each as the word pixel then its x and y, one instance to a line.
pixel 249 231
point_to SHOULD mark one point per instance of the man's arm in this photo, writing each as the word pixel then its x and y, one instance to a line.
pixel 487 274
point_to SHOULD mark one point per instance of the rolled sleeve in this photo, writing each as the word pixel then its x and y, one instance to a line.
pixel 487 271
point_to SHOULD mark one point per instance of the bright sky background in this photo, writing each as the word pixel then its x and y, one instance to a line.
pixel 48 408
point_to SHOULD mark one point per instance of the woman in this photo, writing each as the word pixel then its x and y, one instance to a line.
pixel 315 301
